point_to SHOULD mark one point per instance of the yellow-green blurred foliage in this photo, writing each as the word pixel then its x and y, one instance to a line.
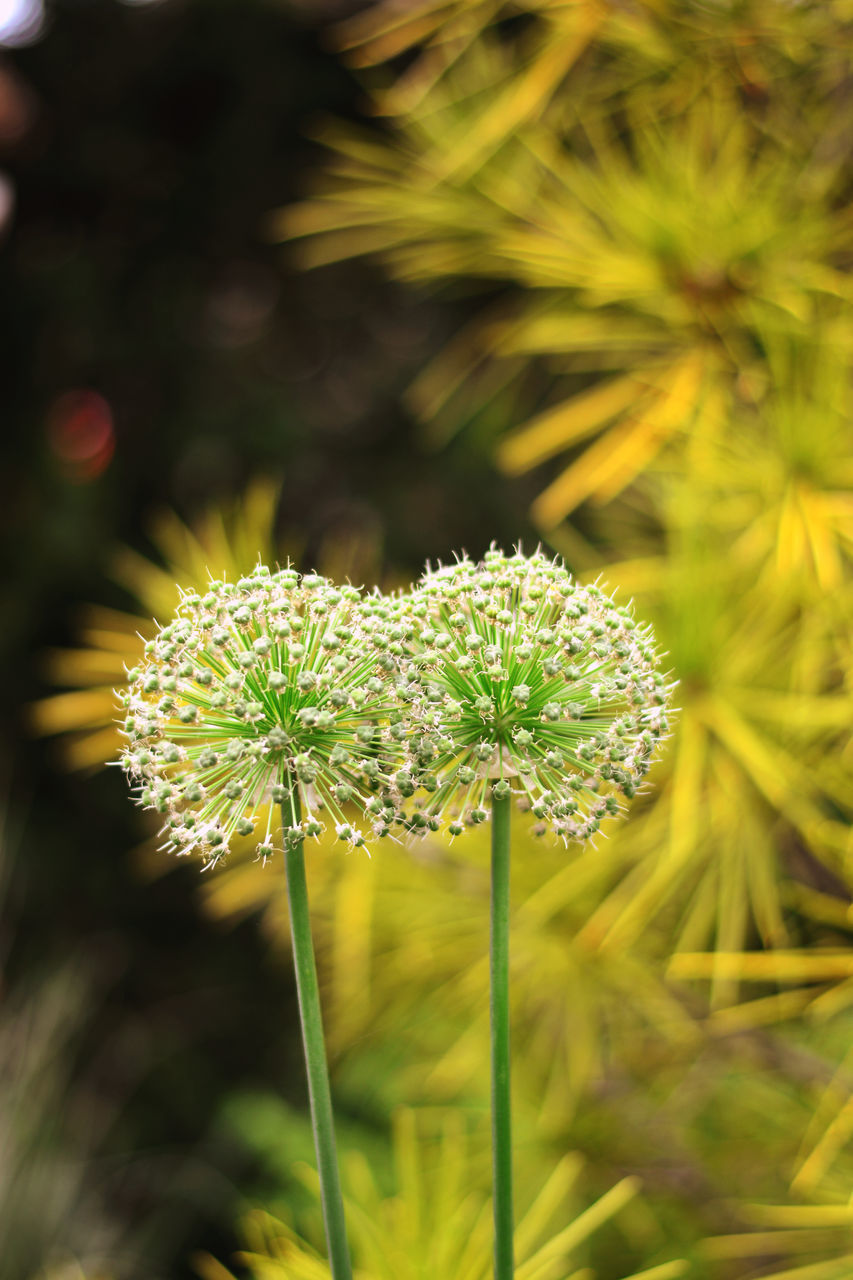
pixel 658 197
pixel 438 1222
pixel 54 1223
pixel 71 1271
pixel 656 201
pixel 111 642
pixel 645 224
pixel 221 543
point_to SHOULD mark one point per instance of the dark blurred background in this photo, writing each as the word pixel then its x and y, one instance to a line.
pixel 158 350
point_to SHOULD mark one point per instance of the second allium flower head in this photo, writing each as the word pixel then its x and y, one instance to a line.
pixel 487 678
pixel 519 679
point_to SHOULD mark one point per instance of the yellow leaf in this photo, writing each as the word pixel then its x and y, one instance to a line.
pixel 826 712
pixel 90 750
pixel 93 708
pixel 836 1269
pixel 572 420
pixel 824 548
pixel 825 907
pixel 759 1013
pixel 381 32
pixel 582 1227
pixel 798 1215
pixel 791 541
pixel 834 1138
pixel 770 770
pixel 603 468
pixel 756 1243
pixel 209 1269
pixel 763 966
pixel 446 372
pixel 549 1201
pixel 559 332
pixel 830 1003
pixel 99 665
pixel 666 1271
pixel 522 99
pixel 609 464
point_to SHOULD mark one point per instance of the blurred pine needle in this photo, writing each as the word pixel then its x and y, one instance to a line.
pixel 439 1221
pixel 221 543
pixel 641 251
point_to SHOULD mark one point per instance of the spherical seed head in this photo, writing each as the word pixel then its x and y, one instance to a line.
pixel 517 677
pixel 272 688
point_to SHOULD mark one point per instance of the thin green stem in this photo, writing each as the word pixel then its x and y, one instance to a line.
pixel 315 1052
pixel 501 1106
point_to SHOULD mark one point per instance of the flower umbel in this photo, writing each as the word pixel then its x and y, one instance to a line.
pixel 257 692
pixel 520 680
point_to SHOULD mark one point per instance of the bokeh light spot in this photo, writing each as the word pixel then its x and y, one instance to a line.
pixel 21 21
pixel 81 434
pixel 7 201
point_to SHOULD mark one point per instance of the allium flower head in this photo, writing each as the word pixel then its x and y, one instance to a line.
pixel 259 693
pixel 518 679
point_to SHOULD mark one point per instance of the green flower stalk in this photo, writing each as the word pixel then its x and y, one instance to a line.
pixel 266 695
pixel 519 683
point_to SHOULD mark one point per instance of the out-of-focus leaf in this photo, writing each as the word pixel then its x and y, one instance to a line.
pixel 221 543
pixel 439 1222
pixel 662 255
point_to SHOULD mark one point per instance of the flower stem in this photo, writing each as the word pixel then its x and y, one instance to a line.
pixel 315 1052
pixel 501 1112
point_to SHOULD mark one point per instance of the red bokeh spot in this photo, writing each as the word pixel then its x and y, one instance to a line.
pixel 81 435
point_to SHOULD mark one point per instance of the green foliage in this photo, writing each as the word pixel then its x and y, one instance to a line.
pixel 54 1224
pixel 112 643
pixel 646 229
pixel 437 1221
pixel 667 219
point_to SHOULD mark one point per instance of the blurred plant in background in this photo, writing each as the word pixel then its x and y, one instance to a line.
pixel 638 248
pixel 646 209
pixel 51 1118
pixel 655 203
pixel 221 544
pixel 438 1222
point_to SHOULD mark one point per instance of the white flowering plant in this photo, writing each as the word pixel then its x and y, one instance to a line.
pixel 429 710
pixel 260 693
